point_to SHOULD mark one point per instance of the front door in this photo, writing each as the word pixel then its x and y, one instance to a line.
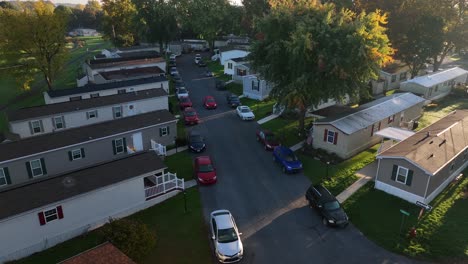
pixel 137 141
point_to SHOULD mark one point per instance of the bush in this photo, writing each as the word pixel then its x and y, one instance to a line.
pixel 132 237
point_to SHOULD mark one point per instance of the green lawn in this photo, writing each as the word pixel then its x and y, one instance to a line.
pixel 217 69
pixel 174 105
pixel 441 234
pixel 341 175
pixel 181 237
pixel 261 109
pixel 285 129
pixel 235 88
pixel 441 108
pixel 180 163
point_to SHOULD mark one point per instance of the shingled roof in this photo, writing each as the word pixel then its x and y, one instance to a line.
pixel 102 254
pixel 434 146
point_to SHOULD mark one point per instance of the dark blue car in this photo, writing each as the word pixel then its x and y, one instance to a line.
pixel 287 159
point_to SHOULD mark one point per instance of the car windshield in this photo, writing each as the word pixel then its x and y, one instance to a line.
pixel 290 157
pixel 206 168
pixel 190 113
pixel 270 137
pixel 227 235
pixel 184 99
pixel 245 110
pixel 210 100
pixel 330 206
pixel 182 91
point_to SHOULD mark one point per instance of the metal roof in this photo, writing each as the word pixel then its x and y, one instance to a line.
pixel 372 112
pixel 438 77
pixel 395 133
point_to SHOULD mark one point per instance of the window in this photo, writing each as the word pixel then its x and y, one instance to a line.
pixel 256 85
pixel 76 154
pixel 375 128
pixel 36 168
pixel 163 131
pixel 241 72
pixel 75 98
pixel 229 65
pixel 436 88
pixel 4 177
pixel 402 175
pixel 403 76
pixel 94 95
pixel 91 114
pixel 391 118
pixel 58 122
pixel 36 127
pixel 393 78
pixel 50 214
pixel 121 91
pixel 330 136
pixel 117 110
pixel 120 146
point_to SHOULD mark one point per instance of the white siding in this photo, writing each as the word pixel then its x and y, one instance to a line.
pixel 261 94
pixel 79 118
pixel 231 54
pixel 226 67
pixel 412 198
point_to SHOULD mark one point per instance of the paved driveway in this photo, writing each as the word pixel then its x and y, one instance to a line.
pixel 269 206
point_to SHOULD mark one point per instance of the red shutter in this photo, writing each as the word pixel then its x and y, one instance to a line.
pixel 325 135
pixel 41 218
pixel 59 212
pixel 336 138
pixel 379 125
pixel 372 131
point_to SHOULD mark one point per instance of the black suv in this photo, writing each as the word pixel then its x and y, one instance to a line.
pixel 196 142
pixel 327 205
pixel 233 100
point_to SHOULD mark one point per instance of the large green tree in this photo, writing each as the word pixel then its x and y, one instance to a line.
pixel 120 22
pixel 33 40
pixel 313 53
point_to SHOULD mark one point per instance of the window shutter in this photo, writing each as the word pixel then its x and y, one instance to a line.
pixel 28 168
pixel 96 111
pixel 42 127
pixel 113 147
pixel 336 138
pixel 53 122
pixel 168 130
pixel 70 155
pixel 59 212
pixel 87 115
pixel 7 175
pixel 30 128
pixel 325 133
pixel 379 125
pixel 63 122
pixel 409 178
pixel 41 218
pixel 160 132
pixel 44 169
pixel 372 131
pixel 125 144
pixel 113 112
pixel 394 172
pixel 82 153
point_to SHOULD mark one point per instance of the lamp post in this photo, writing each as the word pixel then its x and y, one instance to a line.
pixel 328 164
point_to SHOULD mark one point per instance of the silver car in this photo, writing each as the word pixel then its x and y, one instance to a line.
pixel 226 237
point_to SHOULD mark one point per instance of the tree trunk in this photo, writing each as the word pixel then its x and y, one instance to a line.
pixel 49 82
pixel 302 114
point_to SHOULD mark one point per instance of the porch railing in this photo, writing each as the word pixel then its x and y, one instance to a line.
pixel 165 183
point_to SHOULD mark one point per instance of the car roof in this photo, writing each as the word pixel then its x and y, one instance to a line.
pixel 325 194
pixel 223 219
pixel 185 98
pixel 194 133
pixel 244 107
pixel 284 149
pixel 203 160
pixel 189 109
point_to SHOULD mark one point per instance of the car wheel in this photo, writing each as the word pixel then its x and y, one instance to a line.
pixel 324 221
pixel 265 147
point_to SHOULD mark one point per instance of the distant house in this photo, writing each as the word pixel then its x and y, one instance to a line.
pixel 230 64
pixel 131 51
pixel 436 85
pixel 231 40
pixel 105 89
pixel 84 32
pixel 421 166
pixel 390 77
pixel 39 120
pixel 196 44
pixel 255 88
pixel 241 70
pixel 354 131
pixel 227 53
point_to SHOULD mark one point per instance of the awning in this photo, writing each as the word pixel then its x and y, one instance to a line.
pixel 395 133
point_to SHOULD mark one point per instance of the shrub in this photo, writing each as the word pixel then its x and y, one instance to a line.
pixel 132 237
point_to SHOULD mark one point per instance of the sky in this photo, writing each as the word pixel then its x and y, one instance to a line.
pixel 237 2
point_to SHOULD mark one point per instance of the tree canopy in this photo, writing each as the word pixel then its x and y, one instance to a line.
pixel 120 22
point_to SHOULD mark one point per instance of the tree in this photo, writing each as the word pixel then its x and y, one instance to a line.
pixel 132 237
pixel 33 40
pixel 120 22
pixel 311 54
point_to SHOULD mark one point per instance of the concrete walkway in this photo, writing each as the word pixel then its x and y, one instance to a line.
pixel 190 184
pixel 266 119
pixel 298 146
pixel 173 151
pixel 365 175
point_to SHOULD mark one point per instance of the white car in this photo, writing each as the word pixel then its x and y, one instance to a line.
pixel 181 92
pixel 173 71
pixel 245 113
pixel 226 237
pixel 172 57
pixel 197 58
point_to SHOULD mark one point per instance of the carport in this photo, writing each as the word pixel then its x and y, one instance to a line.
pixel 391 136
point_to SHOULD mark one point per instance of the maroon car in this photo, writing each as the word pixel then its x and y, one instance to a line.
pixel 204 170
pixel 268 139
pixel 185 102
pixel 209 102
pixel 191 116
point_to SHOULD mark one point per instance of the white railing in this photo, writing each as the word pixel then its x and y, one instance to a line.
pixel 165 183
pixel 158 148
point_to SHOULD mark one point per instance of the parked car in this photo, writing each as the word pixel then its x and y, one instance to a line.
pixel 233 100
pixel 196 141
pixel 179 83
pixel 173 71
pixel 245 113
pixel 185 102
pixel 209 102
pixel 220 85
pixel 327 206
pixel 208 74
pixel 267 138
pixel 197 58
pixel 181 92
pixel 287 159
pixel 190 116
pixel 204 170
pixel 201 63
pixel 176 78
pixel 226 237
pixel 172 57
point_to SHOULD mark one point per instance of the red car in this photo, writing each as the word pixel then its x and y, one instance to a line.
pixel 209 102
pixel 268 139
pixel 185 102
pixel 190 116
pixel 204 170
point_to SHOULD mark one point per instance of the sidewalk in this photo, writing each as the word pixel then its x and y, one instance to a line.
pixel 173 151
pixel 266 119
pixel 365 175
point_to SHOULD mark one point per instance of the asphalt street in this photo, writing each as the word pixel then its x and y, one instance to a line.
pixel 269 206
